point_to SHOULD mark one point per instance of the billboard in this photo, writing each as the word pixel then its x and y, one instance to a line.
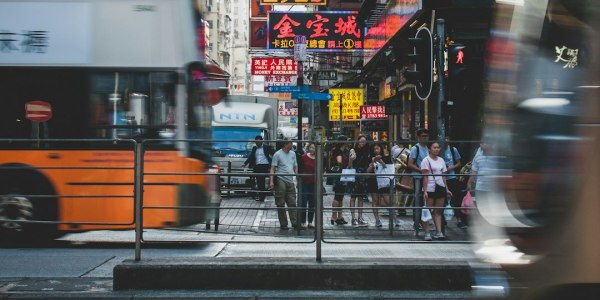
pixel 324 30
pixel 258 34
pixel 372 112
pixel 352 100
pixel 259 10
pixel 273 66
pixel 397 14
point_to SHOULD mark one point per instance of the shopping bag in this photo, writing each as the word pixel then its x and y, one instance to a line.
pixel 347 177
pixel 448 212
pixel 384 181
pixel 467 204
pixel 425 214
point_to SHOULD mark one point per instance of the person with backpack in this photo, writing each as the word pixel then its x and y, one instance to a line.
pixel 452 158
pixel 418 152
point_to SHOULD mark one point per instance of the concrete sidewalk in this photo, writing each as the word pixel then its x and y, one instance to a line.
pixel 249 232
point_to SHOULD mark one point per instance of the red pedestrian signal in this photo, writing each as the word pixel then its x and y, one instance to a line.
pixel 457 59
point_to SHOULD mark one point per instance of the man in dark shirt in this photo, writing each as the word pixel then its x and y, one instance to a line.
pixel 260 162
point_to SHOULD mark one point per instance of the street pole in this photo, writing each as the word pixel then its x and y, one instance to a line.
pixel 300 83
pixel 341 97
pixel 441 127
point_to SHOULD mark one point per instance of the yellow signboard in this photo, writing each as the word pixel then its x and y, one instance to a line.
pixel 352 100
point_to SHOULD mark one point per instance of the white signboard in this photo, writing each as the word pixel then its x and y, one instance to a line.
pixel 45 33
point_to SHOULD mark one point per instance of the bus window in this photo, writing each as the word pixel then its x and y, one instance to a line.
pixel 133 104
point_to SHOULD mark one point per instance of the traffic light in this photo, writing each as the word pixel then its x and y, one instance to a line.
pixel 422 57
pixel 457 59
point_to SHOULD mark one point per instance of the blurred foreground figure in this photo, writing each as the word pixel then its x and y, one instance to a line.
pixel 540 215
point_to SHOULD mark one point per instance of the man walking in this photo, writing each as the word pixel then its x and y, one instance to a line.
pixel 260 161
pixel 284 162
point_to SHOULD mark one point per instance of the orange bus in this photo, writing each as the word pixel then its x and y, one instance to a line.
pixel 81 84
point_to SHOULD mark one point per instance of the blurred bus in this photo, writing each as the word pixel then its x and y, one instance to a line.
pixel 114 70
pixel 542 115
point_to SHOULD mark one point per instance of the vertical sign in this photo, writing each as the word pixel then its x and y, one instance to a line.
pixel 300 48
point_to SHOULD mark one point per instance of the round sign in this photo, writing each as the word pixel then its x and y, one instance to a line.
pixel 38 111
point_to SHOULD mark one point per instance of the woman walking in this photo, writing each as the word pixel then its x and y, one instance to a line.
pixel 359 160
pixel 338 160
pixel 380 196
pixel 307 167
pixel 435 188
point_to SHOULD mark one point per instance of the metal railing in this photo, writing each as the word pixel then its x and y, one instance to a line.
pixel 320 232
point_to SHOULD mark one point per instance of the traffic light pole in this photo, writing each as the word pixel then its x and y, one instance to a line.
pixel 441 124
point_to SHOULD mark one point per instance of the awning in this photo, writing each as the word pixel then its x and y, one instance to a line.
pixel 216 83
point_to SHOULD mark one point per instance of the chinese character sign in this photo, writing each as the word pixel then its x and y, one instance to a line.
pixel 273 66
pixel 372 112
pixel 324 30
pixel 352 100
pixel 567 56
pixel 288 108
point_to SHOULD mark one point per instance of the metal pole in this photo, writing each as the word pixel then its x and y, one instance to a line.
pixel 139 198
pixel 440 71
pixel 319 196
pixel 341 97
pixel 300 83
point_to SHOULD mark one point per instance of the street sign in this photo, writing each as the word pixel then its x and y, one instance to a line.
pixel 311 96
pixel 322 74
pixel 38 111
pixel 287 89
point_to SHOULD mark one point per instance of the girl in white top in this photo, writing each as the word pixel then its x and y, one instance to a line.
pixel 434 165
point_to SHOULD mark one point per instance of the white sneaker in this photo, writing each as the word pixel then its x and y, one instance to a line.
pixel 439 236
pixel 427 237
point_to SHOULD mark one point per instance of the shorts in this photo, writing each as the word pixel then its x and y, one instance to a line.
pixel 434 195
pixel 357 188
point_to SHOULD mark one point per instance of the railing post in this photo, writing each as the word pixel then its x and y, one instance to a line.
pixel 139 197
pixel 417 204
pixel 392 204
pixel 319 196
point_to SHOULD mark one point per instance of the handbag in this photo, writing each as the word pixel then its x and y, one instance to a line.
pixel 384 181
pixel 440 190
pixel 348 178
pixel 467 204
pixel 425 214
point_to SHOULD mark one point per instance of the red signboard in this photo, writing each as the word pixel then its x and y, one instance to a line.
pixel 258 34
pixel 372 112
pixel 273 66
pixel 397 14
pixel 38 111
pixel 324 30
pixel 293 2
pixel 258 10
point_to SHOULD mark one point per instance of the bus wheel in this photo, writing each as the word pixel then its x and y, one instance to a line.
pixel 26 195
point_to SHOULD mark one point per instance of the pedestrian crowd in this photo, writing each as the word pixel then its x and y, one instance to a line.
pixel 432 167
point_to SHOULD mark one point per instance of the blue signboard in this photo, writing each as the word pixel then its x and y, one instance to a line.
pixel 287 88
pixel 311 96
